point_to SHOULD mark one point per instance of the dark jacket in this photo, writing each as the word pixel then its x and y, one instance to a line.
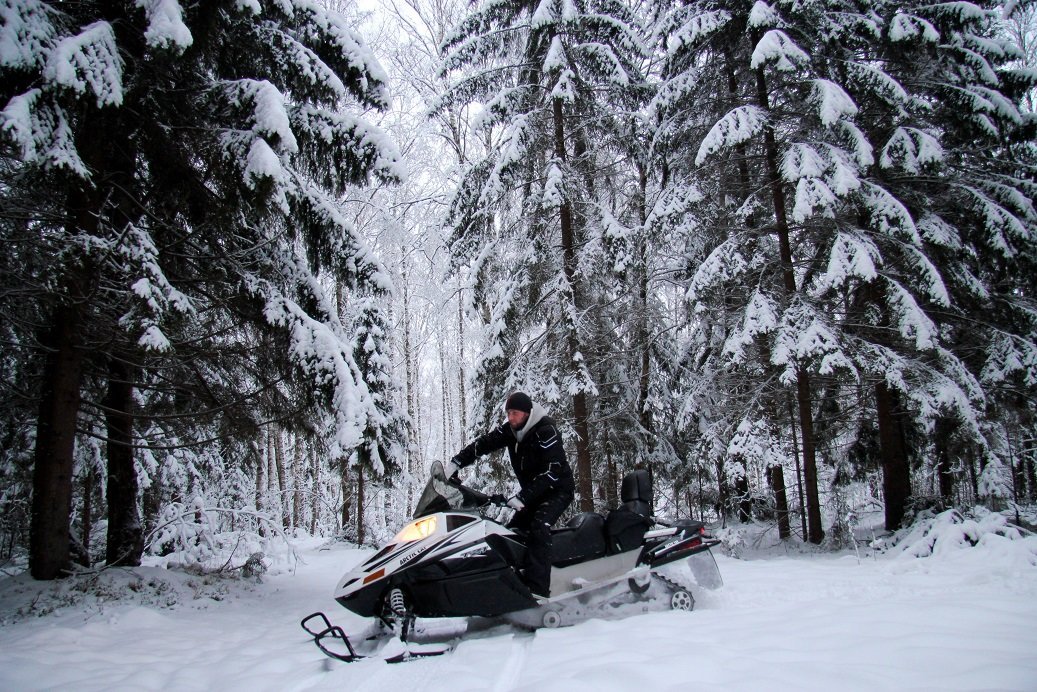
pixel 536 452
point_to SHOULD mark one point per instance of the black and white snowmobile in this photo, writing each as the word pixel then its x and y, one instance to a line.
pixel 453 561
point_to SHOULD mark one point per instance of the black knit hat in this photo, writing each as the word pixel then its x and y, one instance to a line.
pixel 519 401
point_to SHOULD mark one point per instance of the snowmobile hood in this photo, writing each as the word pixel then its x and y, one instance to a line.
pixel 535 415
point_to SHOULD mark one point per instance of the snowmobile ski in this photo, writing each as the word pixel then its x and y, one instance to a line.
pixel 333 642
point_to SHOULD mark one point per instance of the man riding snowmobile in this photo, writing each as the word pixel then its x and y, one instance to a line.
pixel 544 476
pixel 455 561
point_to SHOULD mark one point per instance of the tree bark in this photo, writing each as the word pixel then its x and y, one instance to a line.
pixel 815 532
pixel 346 488
pixel 745 501
pixel 585 488
pixel 282 484
pixel 89 478
pixel 49 556
pixel 896 473
pixel 360 506
pixel 261 484
pixel 781 503
pixel 125 533
pixel 298 476
pixel 944 473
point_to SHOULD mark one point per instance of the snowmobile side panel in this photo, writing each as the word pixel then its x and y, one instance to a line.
pixel 574 577
pixel 485 594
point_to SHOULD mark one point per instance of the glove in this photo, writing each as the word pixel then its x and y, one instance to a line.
pixel 516 504
pixel 450 469
pixel 498 499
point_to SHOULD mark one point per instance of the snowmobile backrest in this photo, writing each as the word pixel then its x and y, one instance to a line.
pixel 582 538
pixel 636 492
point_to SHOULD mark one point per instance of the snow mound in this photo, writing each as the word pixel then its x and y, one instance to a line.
pixel 947 533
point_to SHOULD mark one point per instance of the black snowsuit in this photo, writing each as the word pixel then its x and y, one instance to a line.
pixel 546 482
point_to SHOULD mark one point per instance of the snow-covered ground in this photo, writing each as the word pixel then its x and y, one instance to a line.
pixel 958 618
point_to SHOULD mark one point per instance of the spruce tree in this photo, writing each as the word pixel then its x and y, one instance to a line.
pixel 550 78
pixel 194 155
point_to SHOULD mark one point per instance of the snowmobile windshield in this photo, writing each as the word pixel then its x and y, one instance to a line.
pixel 442 496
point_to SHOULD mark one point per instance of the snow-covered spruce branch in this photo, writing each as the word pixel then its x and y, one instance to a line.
pixel 180 527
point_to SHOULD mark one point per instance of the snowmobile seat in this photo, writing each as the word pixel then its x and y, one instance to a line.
pixel 581 539
pixel 636 492
pixel 625 530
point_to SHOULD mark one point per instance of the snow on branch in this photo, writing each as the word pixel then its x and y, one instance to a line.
pixel 833 103
pixel 998 222
pixel 880 82
pixel 909 319
pixel 739 125
pixel 725 264
pixel 166 26
pixel 760 317
pixel 26 33
pixel 813 194
pixel 906 27
pixel 554 188
pixel 323 353
pixel 698 27
pixel 888 214
pixel 88 61
pixel 1010 356
pixel 926 276
pixel 368 80
pixel 763 15
pixel 804 338
pixel 911 149
pixel 42 133
pixel 852 257
pixel 777 47
pixel 268 110
pixel 938 232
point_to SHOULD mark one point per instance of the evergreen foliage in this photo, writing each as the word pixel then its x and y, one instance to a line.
pixel 193 157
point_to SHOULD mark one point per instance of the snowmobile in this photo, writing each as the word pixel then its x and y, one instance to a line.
pixel 455 561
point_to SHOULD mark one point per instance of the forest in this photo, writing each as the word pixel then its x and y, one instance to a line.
pixel 264 261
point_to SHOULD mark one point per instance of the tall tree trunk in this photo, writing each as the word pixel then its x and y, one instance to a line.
pixel 55 445
pixel 896 473
pixel 412 389
pixel 125 533
pixel 611 494
pixel 745 500
pixel 273 499
pixel 781 503
pixel 643 332
pixel 261 483
pixel 89 479
pixel 799 472
pixel 152 502
pixel 815 532
pixel 581 426
pixel 944 473
pixel 360 534
pixel 314 491
pixel 346 489
pixel 298 476
pixel 282 484
pixel 462 404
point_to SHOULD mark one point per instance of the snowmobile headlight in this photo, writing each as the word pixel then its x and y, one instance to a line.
pixel 415 531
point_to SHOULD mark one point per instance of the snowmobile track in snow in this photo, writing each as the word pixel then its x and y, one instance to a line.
pixel 512 669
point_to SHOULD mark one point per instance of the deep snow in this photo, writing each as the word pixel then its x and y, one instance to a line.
pixel 961 618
